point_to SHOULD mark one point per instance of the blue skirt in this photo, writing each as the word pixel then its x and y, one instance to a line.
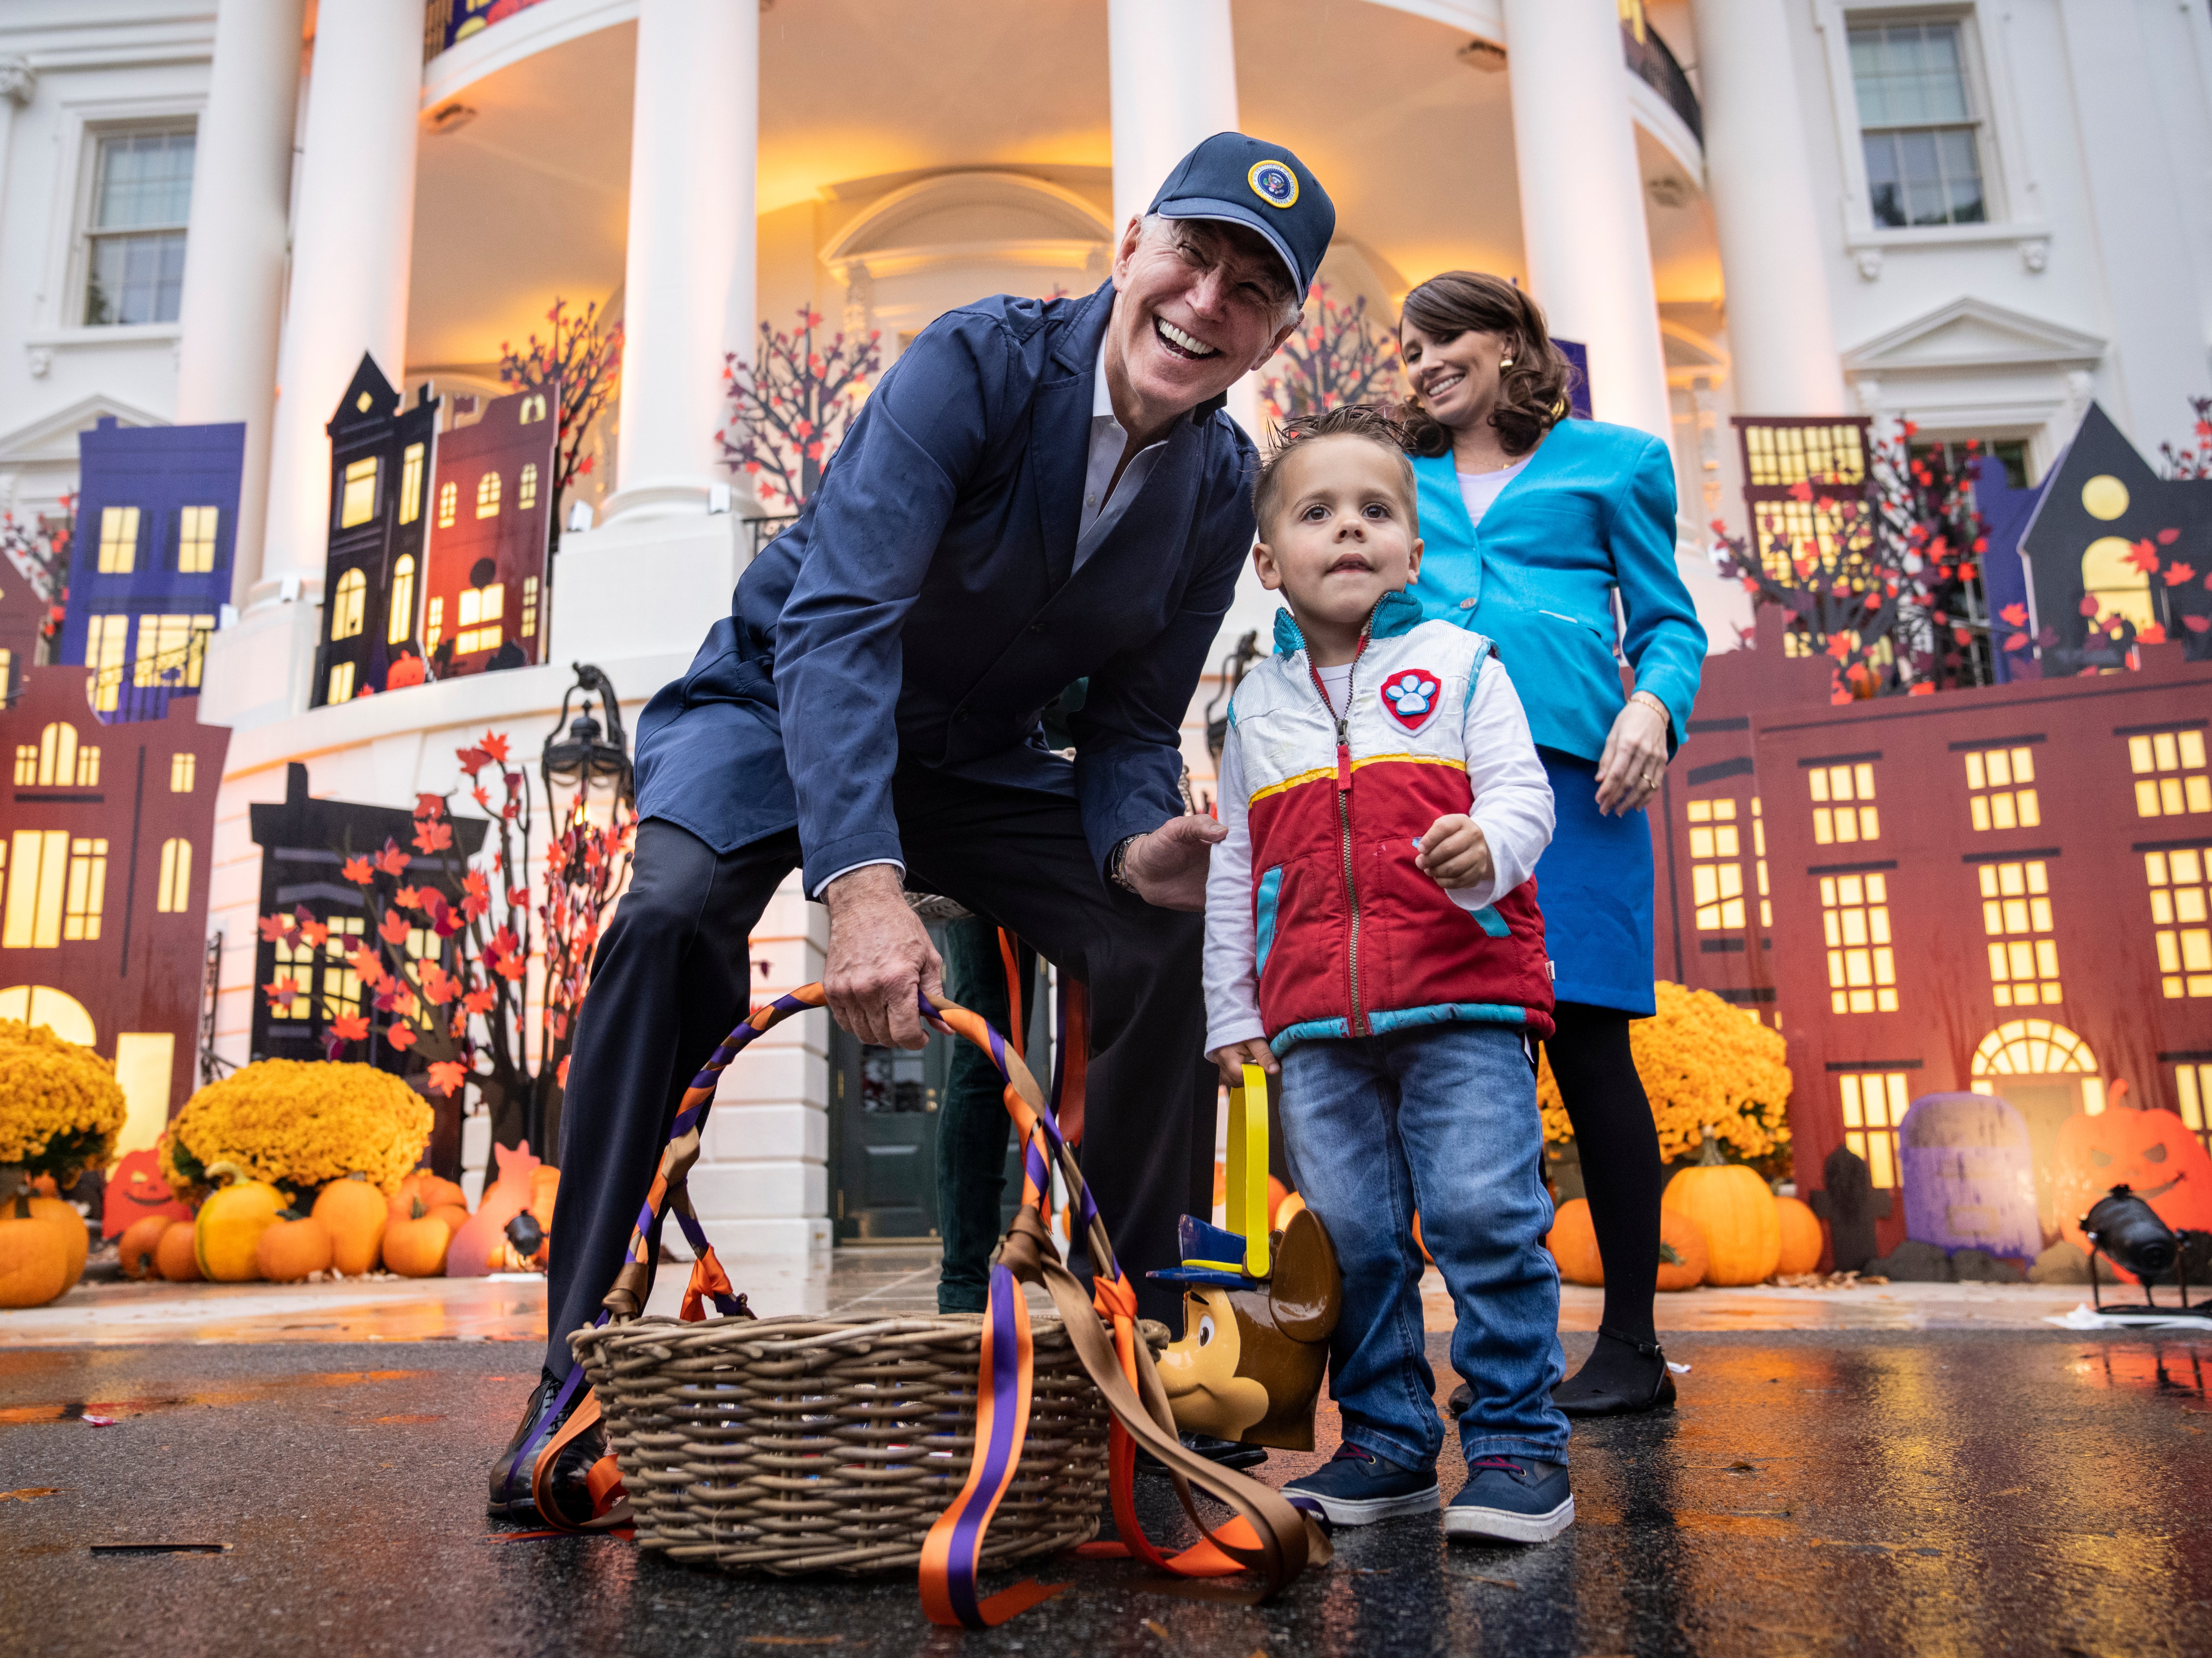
pixel 1594 883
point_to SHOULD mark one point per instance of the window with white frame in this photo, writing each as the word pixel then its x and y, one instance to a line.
pixel 1918 124
pixel 134 233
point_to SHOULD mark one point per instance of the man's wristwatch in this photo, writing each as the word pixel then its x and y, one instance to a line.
pixel 1115 859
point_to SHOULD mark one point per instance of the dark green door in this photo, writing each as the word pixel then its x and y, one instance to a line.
pixel 882 1108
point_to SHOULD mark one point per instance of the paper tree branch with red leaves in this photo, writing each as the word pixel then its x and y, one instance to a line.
pixel 2195 460
pixel 459 1001
pixel 585 357
pixel 1335 357
pixel 39 550
pixel 1892 612
pixel 789 409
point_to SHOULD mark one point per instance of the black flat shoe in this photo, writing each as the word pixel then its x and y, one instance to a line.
pixel 1622 1377
pixel 567 1485
pixel 1229 1453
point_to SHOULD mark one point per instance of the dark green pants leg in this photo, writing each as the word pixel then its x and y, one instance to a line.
pixel 972 1124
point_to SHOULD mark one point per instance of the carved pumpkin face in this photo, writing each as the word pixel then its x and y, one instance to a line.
pixel 2153 1152
pixel 135 1190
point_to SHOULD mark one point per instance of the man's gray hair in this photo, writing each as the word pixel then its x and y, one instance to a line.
pixel 1293 302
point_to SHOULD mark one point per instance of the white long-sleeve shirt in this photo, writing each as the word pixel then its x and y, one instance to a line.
pixel 1512 806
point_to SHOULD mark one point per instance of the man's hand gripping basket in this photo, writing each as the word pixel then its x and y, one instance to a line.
pixel 949 1443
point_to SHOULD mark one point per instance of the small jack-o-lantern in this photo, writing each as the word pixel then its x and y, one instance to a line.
pixel 135 1190
pixel 1249 1364
pixel 2153 1152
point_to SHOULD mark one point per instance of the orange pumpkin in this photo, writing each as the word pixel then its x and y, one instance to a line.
pixel 1735 1211
pixel 434 1190
pixel 1682 1253
pixel 77 1240
pixel 296 1245
pixel 34 1255
pixel 415 1246
pixel 453 1214
pixel 176 1253
pixel 1803 1241
pixel 1573 1243
pixel 355 1214
pixel 138 1246
pixel 2153 1153
pixel 1290 1205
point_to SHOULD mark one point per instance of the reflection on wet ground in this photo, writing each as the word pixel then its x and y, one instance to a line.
pixel 1865 1491
pixel 873 1281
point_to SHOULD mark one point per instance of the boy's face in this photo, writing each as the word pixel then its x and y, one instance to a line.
pixel 1341 532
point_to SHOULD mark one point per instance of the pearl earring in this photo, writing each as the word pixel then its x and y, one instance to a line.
pixel 1506 362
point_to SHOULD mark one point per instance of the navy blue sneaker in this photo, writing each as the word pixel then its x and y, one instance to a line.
pixel 1512 1499
pixel 1358 1488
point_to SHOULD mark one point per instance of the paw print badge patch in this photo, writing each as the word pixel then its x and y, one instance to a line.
pixel 1410 697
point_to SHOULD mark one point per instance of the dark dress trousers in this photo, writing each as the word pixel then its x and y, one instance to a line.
pixel 875 694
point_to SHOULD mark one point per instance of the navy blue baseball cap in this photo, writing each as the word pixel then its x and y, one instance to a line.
pixel 1261 185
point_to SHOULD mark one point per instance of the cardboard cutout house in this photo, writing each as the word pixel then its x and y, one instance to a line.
pixel 151 565
pixel 109 842
pixel 380 464
pixel 484 602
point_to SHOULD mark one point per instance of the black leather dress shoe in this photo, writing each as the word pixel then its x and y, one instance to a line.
pixel 566 1487
pixel 1229 1453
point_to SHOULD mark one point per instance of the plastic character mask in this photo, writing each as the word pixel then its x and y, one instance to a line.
pixel 1250 1363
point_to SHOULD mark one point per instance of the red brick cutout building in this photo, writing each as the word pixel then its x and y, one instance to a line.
pixel 484 600
pixel 104 867
pixel 2005 890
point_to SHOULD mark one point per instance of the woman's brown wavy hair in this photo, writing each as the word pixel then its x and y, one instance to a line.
pixel 1532 394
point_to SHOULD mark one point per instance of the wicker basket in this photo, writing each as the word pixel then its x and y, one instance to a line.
pixel 804 1444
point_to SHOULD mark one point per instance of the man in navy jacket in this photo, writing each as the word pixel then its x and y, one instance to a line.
pixel 1036 492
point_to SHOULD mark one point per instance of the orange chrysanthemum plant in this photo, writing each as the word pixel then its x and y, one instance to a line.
pixel 1703 1065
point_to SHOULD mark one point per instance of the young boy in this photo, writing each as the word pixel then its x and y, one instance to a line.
pixel 1371 920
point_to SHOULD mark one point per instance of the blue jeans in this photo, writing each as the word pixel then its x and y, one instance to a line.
pixel 1441 1119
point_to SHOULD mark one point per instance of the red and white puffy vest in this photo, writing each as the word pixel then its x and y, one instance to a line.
pixel 1353 939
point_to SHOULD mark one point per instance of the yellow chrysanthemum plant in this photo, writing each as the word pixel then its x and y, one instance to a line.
pixel 1705 1066
pixel 299 1125
pixel 60 1105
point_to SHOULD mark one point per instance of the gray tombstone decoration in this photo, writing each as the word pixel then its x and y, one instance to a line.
pixel 1850 1205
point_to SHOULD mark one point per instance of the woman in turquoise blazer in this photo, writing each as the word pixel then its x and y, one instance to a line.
pixel 1533 526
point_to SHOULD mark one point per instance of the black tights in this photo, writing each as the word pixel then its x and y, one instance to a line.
pixel 1619 1148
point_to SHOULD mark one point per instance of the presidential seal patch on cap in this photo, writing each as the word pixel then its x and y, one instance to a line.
pixel 1273 183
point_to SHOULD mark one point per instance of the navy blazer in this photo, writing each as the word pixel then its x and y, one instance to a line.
pixel 924 607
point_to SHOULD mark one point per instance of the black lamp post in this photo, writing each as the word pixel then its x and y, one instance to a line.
pixel 590 753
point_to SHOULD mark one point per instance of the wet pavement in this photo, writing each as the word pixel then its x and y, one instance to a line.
pixel 1947 1491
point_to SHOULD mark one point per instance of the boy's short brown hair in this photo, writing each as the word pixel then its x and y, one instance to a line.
pixel 1353 420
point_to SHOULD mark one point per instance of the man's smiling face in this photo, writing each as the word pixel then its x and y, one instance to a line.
pixel 1200 303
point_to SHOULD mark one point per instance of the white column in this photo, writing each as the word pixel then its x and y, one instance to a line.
pixel 1172 67
pixel 1782 335
pixel 351 243
pixel 1582 201
pixel 233 298
pixel 689 278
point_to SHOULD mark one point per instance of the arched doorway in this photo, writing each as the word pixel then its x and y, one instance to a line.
pixel 2047 1073
pixel 57 1009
